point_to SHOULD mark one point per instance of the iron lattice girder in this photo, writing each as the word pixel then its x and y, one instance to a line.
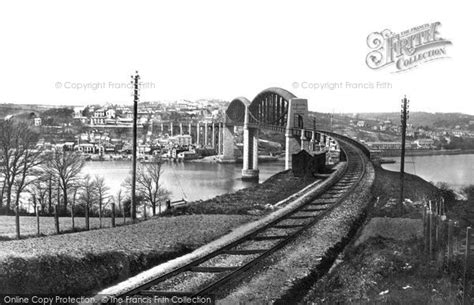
pixel 269 108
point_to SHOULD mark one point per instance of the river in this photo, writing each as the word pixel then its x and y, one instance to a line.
pixel 191 180
pixel 456 170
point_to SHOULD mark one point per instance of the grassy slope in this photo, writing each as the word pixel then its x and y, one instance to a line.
pixel 85 261
pixel 385 271
pixel 249 201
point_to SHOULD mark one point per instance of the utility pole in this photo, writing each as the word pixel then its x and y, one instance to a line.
pixel 133 206
pixel 404 118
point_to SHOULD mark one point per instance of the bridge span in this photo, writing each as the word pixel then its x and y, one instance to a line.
pixel 272 109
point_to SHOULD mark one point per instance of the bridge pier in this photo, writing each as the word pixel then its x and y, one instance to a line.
pixel 250 156
pixel 297 115
pixel 213 141
pixel 197 133
pixel 219 139
pixel 205 134
pixel 303 139
pixel 228 154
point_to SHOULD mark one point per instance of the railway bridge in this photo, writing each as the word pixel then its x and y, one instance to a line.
pixel 272 109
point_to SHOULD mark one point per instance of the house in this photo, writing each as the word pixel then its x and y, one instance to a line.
pixel 99 117
pixel 424 143
pixel 86 148
pixel 79 111
pixel 361 124
pixel 110 113
pixel 387 145
pixel 37 121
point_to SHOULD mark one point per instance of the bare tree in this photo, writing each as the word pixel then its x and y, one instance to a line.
pixel 148 180
pixel 87 197
pixel 20 161
pixel 118 201
pixel 15 139
pixel 38 189
pixel 101 191
pixel 65 166
pixel 74 190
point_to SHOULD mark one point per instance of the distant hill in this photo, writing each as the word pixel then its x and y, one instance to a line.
pixel 418 119
pixel 25 109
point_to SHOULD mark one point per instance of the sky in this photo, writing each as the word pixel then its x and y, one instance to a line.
pixel 83 52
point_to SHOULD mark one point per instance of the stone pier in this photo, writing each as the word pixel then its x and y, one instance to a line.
pixel 250 156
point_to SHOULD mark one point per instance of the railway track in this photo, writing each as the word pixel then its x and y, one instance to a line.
pixel 206 275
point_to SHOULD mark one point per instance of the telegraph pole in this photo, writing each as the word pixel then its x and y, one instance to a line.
pixel 133 206
pixel 404 118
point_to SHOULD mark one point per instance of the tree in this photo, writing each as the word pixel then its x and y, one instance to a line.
pixel 65 167
pixel 118 202
pixel 87 197
pixel 17 143
pixel 101 192
pixel 20 161
pixel 148 180
pixel 38 189
pixel 149 189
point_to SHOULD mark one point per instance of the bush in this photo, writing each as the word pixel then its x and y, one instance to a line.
pixel 469 193
pixel 446 192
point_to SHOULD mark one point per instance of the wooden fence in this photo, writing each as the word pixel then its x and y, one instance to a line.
pixel 449 245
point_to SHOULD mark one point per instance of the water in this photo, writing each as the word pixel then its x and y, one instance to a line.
pixel 456 170
pixel 192 180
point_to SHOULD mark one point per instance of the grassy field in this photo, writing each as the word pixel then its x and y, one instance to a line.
pixel 28 225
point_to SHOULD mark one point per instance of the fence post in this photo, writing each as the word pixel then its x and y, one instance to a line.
pixel 56 218
pixel 113 214
pixel 450 241
pixel 430 229
pixel 437 233
pixel 72 216
pixel 425 228
pixel 38 231
pixel 465 294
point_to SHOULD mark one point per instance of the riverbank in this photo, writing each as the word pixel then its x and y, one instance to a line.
pixel 425 152
pixel 257 200
pixel 82 263
pixel 385 262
